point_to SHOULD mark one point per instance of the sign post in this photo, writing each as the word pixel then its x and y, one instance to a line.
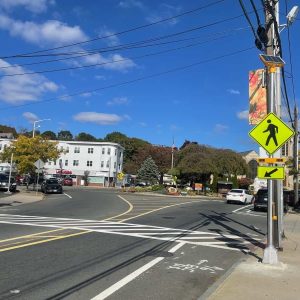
pixel 271 133
pixel 39 164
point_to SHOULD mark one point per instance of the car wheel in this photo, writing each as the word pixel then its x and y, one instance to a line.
pixel 255 208
pixel 228 202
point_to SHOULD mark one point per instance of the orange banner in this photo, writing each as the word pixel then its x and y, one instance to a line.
pixel 257 97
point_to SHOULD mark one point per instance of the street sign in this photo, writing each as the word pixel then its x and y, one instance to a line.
pixel 271 133
pixel 120 176
pixel 270 172
pixel 271 160
pixel 39 164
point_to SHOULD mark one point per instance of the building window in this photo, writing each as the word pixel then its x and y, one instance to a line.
pixel 115 164
pixel 54 162
pixel 119 167
pixel 102 164
pixel 77 150
pixel 108 151
pixel 67 150
pixel 66 162
pixel 89 163
pixel 120 154
pixel 90 150
pixel 0 146
pixel 107 164
pixel 75 163
pixel 49 163
pixel 103 150
pixel 61 149
pixel 115 151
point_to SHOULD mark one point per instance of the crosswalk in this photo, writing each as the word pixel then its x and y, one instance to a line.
pixel 236 242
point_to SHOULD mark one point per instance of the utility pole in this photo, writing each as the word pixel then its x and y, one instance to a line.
pixel 296 159
pixel 270 253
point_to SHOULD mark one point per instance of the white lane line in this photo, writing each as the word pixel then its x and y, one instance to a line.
pixel 68 195
pixel 118 285
pixel 241 208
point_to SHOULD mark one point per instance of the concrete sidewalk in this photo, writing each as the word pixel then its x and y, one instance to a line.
pixel 252 279
pixel 20 197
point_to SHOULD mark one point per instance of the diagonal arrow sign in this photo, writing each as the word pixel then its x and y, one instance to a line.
pixel 268 174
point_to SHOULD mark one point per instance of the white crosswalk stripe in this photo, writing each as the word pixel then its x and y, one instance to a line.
pixel 201 238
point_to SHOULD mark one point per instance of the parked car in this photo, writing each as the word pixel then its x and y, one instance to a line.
pixel 239 196
pixel 261 199
pixel 51 185
pixel 4 180
pixel 67 181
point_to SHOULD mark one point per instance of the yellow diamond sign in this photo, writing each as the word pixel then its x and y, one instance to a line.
pixel 271 133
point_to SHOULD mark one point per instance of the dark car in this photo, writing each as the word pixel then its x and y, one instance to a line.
pixel 4 181
pixel 261 199
pixel 51 186
pixel 67 181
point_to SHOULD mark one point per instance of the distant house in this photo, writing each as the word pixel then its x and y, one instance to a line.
pixel 7 135
pixel 251 159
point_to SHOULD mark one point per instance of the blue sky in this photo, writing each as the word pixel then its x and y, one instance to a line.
pixel 199 97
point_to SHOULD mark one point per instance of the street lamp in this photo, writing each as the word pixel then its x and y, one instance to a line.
pixel 34 125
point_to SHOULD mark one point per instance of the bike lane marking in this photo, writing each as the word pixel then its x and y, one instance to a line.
pixel 121 283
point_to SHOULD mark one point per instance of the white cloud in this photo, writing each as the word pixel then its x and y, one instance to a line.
pixel 233 92
pixel 143 124
pixel 165 11
pixel 118 101
pixel 243 115
pixel 112 39
pixel 30 117
pixel 35 6
pixel 100 77
pixel 98 118
pixel 131 3
pixel 220 128
pixel 25 88
pixel 51 32
pixel 86 95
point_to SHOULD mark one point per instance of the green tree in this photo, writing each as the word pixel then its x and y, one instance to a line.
pixel 28 150
pixel 148 171
pixel 65 135
pixel 49 135
pixel 85 137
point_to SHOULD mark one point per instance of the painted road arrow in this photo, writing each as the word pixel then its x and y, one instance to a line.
pixel 264 172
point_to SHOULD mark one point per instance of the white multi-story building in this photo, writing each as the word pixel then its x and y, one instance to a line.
pixel 101 161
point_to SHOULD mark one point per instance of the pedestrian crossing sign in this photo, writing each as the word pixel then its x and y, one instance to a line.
pixel 271 133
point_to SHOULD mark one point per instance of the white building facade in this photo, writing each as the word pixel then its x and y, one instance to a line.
pixel 100 161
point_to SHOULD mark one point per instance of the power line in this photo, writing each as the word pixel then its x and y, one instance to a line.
pixel 133 80
pixel 135 43
pixel 95 51
pixel 121 32
pixel 290 57
pixel 116 61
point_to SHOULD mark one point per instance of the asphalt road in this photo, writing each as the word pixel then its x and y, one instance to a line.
pixel 103 244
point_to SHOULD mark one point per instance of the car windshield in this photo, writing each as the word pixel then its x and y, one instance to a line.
pixel 236 191
pixel 3 177
pixel 52 181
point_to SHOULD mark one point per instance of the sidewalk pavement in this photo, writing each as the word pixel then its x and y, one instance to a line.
pixel 251 279
pixel 20 197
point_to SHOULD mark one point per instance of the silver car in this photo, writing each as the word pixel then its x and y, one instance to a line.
pixel 239 196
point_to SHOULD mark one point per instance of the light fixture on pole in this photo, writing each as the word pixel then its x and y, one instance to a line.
pixel 34 125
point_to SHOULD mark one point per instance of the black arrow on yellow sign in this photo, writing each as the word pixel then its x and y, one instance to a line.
pixel 268 174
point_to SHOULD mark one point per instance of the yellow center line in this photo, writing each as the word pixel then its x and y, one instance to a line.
pixel 115 219
pixel 43 241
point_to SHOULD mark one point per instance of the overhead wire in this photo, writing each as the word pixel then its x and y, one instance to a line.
pixel 133 80
pixel 96 51
pixel 117 60
pixel 120 32
pixel 290 57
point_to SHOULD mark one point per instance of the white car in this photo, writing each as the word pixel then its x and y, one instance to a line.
pixel 239 196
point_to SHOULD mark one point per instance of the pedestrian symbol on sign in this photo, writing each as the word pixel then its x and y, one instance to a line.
pixel 273 129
